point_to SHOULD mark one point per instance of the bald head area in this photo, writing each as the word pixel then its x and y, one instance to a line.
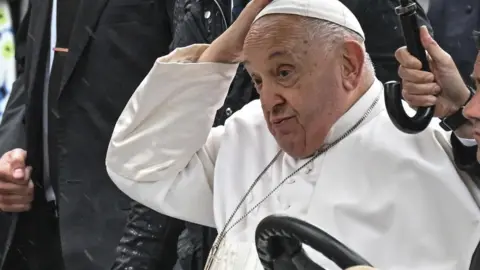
pixel 308 73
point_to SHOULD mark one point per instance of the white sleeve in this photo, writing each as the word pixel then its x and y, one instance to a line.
pixel 163 150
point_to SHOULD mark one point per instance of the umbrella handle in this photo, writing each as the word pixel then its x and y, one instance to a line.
pixel 393 90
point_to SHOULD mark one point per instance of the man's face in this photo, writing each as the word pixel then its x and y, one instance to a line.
pixel 297 82
pixel 472 110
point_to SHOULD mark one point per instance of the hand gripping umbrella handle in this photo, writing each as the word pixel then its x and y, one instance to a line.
pixel 393 90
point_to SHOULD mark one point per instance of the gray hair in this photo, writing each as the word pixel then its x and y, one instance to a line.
pixel 332 35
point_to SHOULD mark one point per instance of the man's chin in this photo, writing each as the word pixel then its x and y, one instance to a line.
pixel 296 152
pixel 294 147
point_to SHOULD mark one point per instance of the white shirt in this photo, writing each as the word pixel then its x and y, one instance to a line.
pixel 394 198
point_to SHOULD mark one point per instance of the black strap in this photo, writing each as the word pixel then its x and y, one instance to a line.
pixel 457 119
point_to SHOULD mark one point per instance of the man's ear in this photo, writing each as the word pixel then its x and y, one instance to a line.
pixel 352 65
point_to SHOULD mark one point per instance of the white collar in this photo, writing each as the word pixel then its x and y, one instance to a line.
pixel 356 112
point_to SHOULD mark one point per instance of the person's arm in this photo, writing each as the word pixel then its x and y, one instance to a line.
pixel 12 127
pixel 149 241
pixel 163 149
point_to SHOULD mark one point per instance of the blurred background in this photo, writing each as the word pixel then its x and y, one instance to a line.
pixel 424 3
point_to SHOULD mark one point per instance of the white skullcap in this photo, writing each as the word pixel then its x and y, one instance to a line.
pixel 328 10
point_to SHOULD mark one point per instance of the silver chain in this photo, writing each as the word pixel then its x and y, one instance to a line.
pixel 324 149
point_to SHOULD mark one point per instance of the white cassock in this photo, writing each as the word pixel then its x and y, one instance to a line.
pixel 394 198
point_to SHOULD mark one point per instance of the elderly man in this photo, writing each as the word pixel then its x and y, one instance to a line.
pixel 320 146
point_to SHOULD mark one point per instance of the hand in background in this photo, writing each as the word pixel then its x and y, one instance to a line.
pixel 228 47
pixel 442 87
pixel 16 187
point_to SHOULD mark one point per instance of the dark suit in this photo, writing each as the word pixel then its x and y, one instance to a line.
pixel 113 45
pixel 453 23
pixel 466 160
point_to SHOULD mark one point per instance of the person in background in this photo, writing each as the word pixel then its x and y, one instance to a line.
pixel 82 61
pixel 143 242
pixel 453 23
pixel 148 234
pixel 445 88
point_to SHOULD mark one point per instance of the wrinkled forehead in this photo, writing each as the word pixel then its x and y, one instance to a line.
pixel 274 34
pixel 275 28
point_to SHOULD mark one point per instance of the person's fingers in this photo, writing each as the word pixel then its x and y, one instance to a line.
pixel 15 208
pixel 406 60
pixel 419 100
pixel 14 199
pixel 436 52
pixel 6 171
pixel 415 76
pixel 27 176
pixel 227 48
pixel 424 89
pixel 17 163
pixel 17 202
pixel 12 166
pixel 8 188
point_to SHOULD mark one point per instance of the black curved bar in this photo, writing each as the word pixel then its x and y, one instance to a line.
pixel 393 93
pixel 292 233
pixel 397 114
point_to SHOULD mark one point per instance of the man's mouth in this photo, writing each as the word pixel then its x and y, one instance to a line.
pixel 280 120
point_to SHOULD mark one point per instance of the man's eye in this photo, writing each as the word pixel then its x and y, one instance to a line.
pixel 284 73
pixel 257 81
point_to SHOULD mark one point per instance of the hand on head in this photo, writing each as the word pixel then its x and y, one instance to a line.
pixel 442 87
pixel 16 187
pixel 227 48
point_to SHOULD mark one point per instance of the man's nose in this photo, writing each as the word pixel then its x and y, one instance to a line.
pixel 270 97
pixel 472 109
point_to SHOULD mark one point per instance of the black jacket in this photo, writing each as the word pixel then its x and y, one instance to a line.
pixel 114 44
pixel 466 159
pixel 150 237
pixel 453 23
pixel 146 238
